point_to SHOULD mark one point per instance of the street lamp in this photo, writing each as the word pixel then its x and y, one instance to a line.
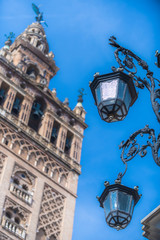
pixel 114 93
pixel 118 202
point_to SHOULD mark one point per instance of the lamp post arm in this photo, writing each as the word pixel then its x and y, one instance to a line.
pixel 130 148
pixel 127 64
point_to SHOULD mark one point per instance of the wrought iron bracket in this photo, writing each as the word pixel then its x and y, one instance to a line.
pixel 128 64
pixel 128 61
pixel 131 147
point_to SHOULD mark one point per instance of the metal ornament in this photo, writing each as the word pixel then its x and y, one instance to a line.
pixel 127 64
pixel 39 17
pixel 118 202
pixel 130 148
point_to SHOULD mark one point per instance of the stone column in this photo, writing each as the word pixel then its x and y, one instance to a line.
pixel 61 140
pixel 8 104
pixel 46 127
pixel 75 151
pixel 25 110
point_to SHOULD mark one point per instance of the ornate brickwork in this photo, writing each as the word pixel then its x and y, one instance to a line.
pixel 51 212
pixel 4 237
pixel 38 159
pixel 41 138
pixel 2 160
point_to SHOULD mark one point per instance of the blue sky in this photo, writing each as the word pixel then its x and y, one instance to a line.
pixel 78 35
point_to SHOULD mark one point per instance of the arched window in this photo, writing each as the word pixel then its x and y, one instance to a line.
pixel 17 220
pixel 8 214
pixel 39 44
pixel 16 181
pixel 55 131
pixel 38 108
pixel 32 72
pixel 3 92
pixel 17 104
pixel 68 142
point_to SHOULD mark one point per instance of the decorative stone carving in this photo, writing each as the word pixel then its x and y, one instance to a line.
pixel 9 203
pixel 18 168
pixel 51 212
pixel 33 155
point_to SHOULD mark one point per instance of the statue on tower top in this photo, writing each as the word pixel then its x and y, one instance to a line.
pixel 39 17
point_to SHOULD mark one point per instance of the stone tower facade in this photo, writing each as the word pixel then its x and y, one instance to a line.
pixel 40 143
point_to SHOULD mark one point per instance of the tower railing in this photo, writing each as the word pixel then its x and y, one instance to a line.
pixel 21 193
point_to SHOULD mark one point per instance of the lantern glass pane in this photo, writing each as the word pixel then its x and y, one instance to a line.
pixel 121 89
pixel 132 206
pixel 106 205
pixel 127 98
pixel 98 94
pixel 119 113
pixel 109 89
pixel 114 200
pixel 124 201
pixel 124 110
pixel 110 108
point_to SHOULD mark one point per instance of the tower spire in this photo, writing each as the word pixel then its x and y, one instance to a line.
pixel 79 110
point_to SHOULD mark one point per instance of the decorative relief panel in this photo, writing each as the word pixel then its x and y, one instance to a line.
pixel 24 213
pixel 51 213
pixel 22 184
pixel 38 159
pixel 15 218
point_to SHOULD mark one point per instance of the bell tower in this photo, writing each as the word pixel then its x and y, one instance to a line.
pixel 40 143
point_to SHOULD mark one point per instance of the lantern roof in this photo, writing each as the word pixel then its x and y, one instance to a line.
pixel 111 76
pixel 120 187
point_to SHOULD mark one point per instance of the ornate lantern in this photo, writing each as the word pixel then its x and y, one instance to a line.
pixel 113 93
pixel 118 202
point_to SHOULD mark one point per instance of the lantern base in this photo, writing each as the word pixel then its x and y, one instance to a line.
pixel 118 219
pixel 113 111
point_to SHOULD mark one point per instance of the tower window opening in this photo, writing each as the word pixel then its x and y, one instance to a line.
pixel 32 72
pixel 38 108
pixel 46 170
pixel 68 142
pixel 55 131
pixel 39 44
pixel 17 220
pixel 3 92
pixel 16 181
pixel 8 214
pixel 17 105
pixel 6 142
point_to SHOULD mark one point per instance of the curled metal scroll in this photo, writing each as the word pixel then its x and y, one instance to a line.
pixel 131 148
pixel 128 64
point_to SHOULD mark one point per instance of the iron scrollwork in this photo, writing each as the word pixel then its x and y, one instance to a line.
pixel 128 65
pixel 131 147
